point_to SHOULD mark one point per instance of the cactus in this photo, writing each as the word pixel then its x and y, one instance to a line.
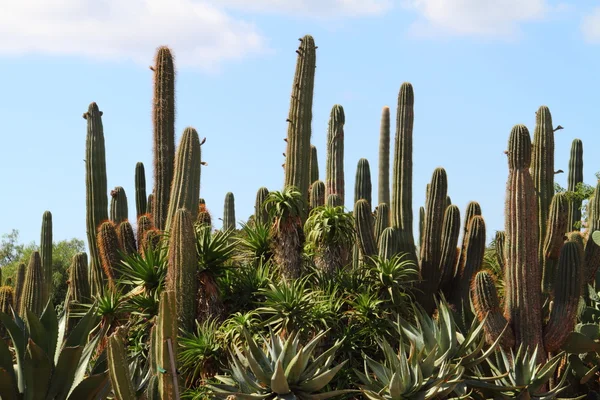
pixel 19 282
pixel 166 346
pixel 592 250
pixel 383 184
pixel 7 297
pixel 499 240
pixel 334 164
pixel 364 228
pixel 317 194
pixel 575 177
pixel 421 224
pixel 542 170
pixel 334 200
pixel 401 207
pixel 314 165
pixel 473 209
pixel 432 236
pixel 151 239
pixel 181 274
pixel 229 212
pixel 261 214
pixel 46 255
pixel 126 238
pixel 108 247
pixel 362 183
pixel 96 188
pixel 388 243
pixel 186 179
pixel 78 291
pixel 118 367
pixel 141 201
pixel 31 297
pixel 449 257
pixel 297 161
pixel 150 203
pixel 144 224
pixel 119 211
pixel 163 119
pixel 204 218
pixel 382 219
pixel 553 241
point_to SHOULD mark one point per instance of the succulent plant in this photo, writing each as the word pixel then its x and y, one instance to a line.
pixel 46 255
pixel 362 183
pixel 141 200
pixel 126 237
pixel 382 219
pixel 32 296
pixel 575 178
pixel 118 367
pixel 314 164
pixel 119 210
pixel 19 283
pixel 261 215
pixel 229 222
pixel 334 166
pixel 364 228
pixel 383 182
pixel 317 194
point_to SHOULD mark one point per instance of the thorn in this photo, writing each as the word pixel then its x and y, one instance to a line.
pixel 204 163
pixel 101 113
pixel 300 39
pixel 285 139
pixel 558 128
pixel 316 47
pixel 152 68
pixel 283 154
pixel 288 120
pixel 203 141
pixel 85 114
pixel 298 51
pixel 560 171
pixel 505 151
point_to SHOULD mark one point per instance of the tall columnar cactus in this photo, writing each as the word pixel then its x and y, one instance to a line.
pixel 144 224
pixel 388 243
pixel 542 170
pixel 119 210
pixel 297 161
pixel 432 237
pixel 165 350
pixel 575 177
pixel 334 200
pixel 382 219
pixel 7 297
pixel 150 204
pixel 108 247
pixel 96 188
pixel 555 232
pixel 314 164
pixel 185 189
pixel 402 217
pixel 141 200
pixel 229 222
pixel 126 238
pixel 181 274
pixel 79 285
pixel 19 283
pixel 421 224
pixel 163 120
pixel 500 240
pixel 592 250
pixel 33 290
pixel 204 217
pixel 362 184
pixel 383 184
pixel 364 228
pixel 261 214
pixel 46 254
pixel 449 256
pixel 317 194
pixel 118 367
pixel 334 163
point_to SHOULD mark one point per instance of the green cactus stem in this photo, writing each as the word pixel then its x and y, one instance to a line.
pixel 19 283
pixel 261 214
pixel 334 163
pixel 382 219
pixel 402 215
pixel 421 224
pixel 151 240
pixel 383 184
pixel 119 211
pixel 78 291
pixel 166 346
pixel 364 228
pixel 7 297
pixel 108 246
pixel 141 199
pixel 449 256
pixel 46 255
pixel 388 243
pixel 334 200
pixel 229 222
pixel 575 178
pixel 144 224
pixel 500 240
pixel 126 238
pixel 297 161
pixel 181 274
pixel 362 183
pixel 542 170
pixel 592 250
pixel 317 194
pixel 96 188
pixel 204 217
pixel 163 121
pixel 473 209
pixel 32 295
pixel 555 232
pixel 118 367
pixel 314 164
pixel 150 203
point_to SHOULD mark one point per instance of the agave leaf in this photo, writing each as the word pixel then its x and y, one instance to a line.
pixel 91 388
pixel 320 381
pixel 372 395
pixel 18 337
pixel 8 384
pixel 49 320
pixel 379 370
pixel 257 354
pixel 279 382
pixel 9 379
pixel 328 395
pixel 319 361
pixel 79 335
pixel 86 355
pixel 395 387
pixel 37 333
pixel 61 331
pixel 294 370
pixel 286 353
pixel 239 373
pixel 65 372
pixel 263 377
pixel 37 370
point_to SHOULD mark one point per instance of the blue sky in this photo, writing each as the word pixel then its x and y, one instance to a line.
pixel 477 66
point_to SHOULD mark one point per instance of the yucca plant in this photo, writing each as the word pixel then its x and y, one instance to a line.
pixel 146 271
pixel 393 279
pixel 200 353
pixel 255 241
pixel 49 365
pixel 283 370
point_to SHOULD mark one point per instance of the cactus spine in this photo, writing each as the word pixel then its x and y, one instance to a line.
pixel 542 170
pixel 383 184
pixel 575 178
pixel 229 212
pixel 334 164
pixel 32 295
pixel 46 255
pixel 150 203
pixel 261 214
pixel 186 179
pixel 402 217
pixel 96 189
pixel 181 275
pixel 364 228
pixel 317 194
pixel 314 165
pixel 297 161
pixel 362 184
pixel 119 211
pixel 163 118
pixel 141 201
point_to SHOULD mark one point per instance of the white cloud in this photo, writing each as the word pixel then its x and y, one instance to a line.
pixel 199 33
pixel 498 18
pixel 311 8
pixel 590 26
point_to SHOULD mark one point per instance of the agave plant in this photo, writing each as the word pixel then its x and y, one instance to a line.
pixel 48 365
pixel 200 352
pixel 393 279
pixel 284 370
pixel 255 241
pixel 145 272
